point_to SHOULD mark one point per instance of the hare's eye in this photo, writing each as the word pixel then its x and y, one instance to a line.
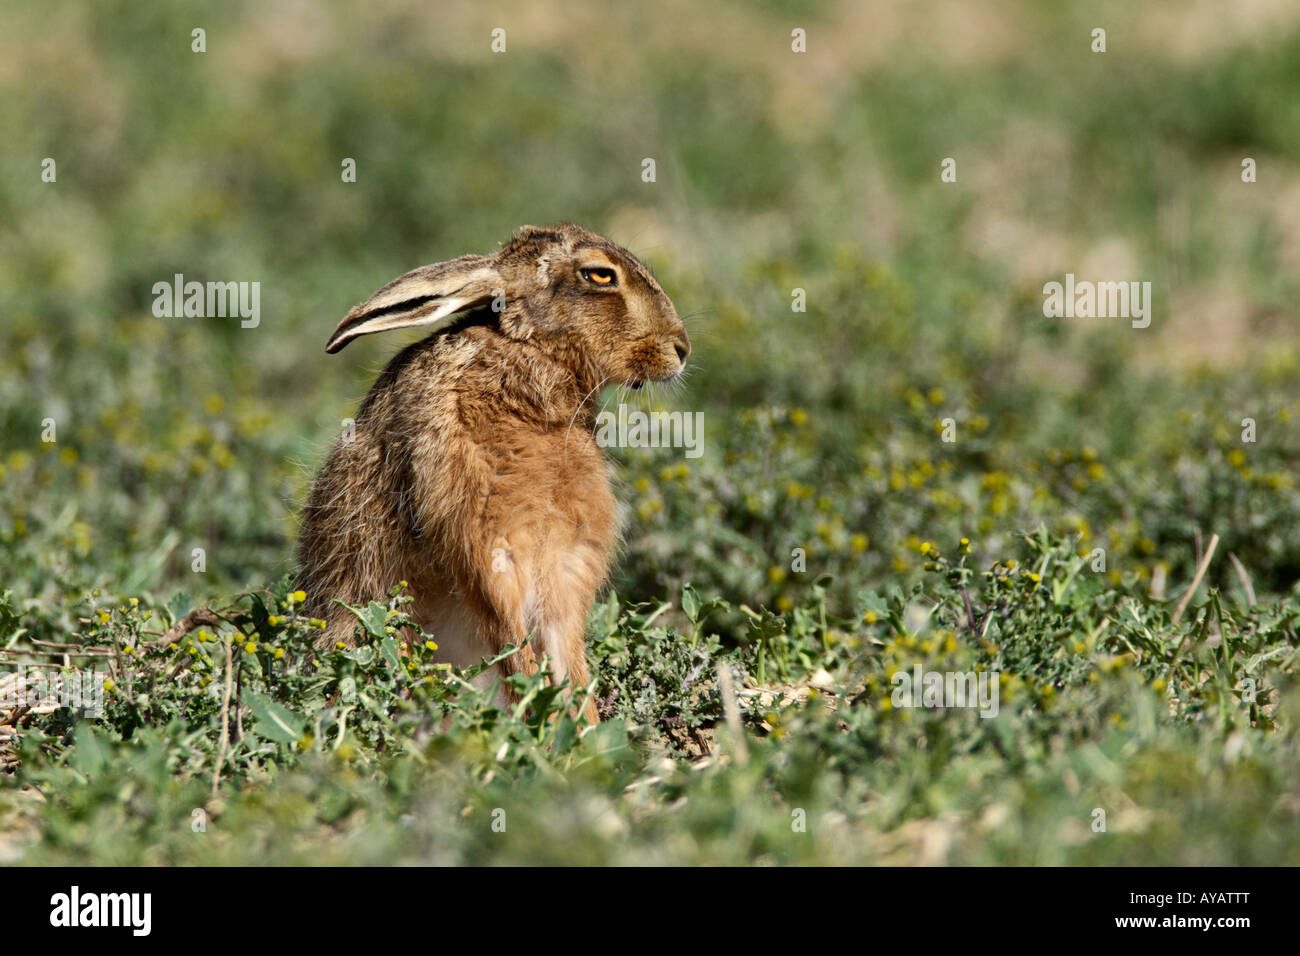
pixel 599 276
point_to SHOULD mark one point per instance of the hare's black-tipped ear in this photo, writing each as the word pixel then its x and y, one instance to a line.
pixel 430 295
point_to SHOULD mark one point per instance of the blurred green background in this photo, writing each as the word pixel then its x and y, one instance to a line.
pixel 775 171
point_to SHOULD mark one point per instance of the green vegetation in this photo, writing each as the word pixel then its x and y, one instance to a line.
pixel 828 539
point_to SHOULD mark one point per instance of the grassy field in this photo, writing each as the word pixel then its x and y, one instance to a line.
pixel 919 469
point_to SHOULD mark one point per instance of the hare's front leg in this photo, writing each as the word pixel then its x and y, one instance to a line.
pixel 564 637
pixel 578 678
pixel 533 601
pixel 503 619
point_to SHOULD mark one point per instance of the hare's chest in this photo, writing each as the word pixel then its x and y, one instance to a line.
pixel 554 538
pixel 558 498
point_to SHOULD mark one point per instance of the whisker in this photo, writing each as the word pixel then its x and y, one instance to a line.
pixel 568 430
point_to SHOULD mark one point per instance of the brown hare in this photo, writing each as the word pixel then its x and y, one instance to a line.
pixel 474 474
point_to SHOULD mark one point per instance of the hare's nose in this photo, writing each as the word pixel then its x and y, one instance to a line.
pixel 683 347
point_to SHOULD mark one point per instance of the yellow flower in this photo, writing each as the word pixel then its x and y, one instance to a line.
pixel 784 604
pixel 431 645
pixel 104 617
pixel 798 417
pixel 251 647
pixel 859 542
pixel 299 596
pixel 279 653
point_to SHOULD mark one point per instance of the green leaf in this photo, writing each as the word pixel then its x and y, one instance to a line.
pixel 373 618
pixel 392 657
pixel 91 751
pixel 690 603
pixel 261 617
pixel 272 721
pixel 181 603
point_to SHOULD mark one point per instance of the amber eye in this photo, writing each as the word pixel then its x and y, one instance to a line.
pixel 599 276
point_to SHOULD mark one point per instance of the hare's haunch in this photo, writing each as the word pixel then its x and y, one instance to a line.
pixel 472 472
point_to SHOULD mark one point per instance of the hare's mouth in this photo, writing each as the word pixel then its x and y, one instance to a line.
pixel 636 383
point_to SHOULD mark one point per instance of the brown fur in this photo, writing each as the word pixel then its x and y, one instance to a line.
pixel 474 474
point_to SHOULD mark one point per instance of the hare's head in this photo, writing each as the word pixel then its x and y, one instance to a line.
pixel 584 300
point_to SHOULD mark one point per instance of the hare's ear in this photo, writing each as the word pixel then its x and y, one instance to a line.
pixel 430 295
